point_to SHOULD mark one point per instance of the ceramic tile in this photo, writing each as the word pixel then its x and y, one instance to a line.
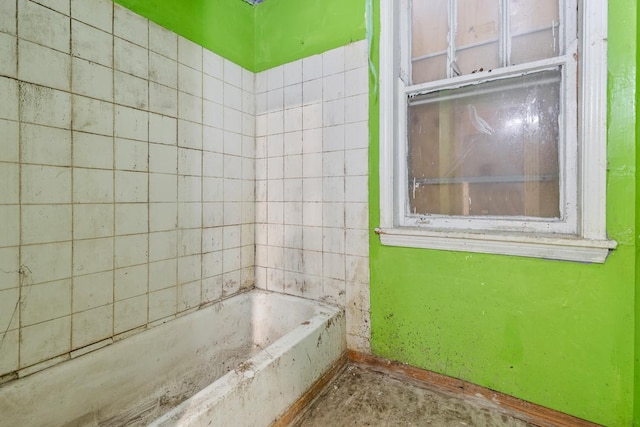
pixel 163 216
pixel 211 289
pixel 189 189
pixel 189 107
pixel 356 55
pixel 163 274
pixel 131 282
pixel 162 304
pixel 9 263
pixel 46 262
pixel 90 43
pixel 131 155
pixel 45 302
pixel 10 226
pixel 163 245
pixel 130 58
pixel 8 17
pixel 311 67
pixel 312 117
pixel 131 123
pixel 10 309
pixel 45 340
pixel 333 163
pixel 97 13
pixel 163 129
pixel 189 215
pixel 163 158
pixel 45 223
pixel 130 26
pixel 93 290
pixel 130 91
pixel 131 250
pixel 312 91
pixel 212 89
pixel 45 184
pixel 189 53
pixel 333 61
pixel 189 134
pixel 189 80
pixel 10 142
pixel 131 218
pixel 356 108
pixel 43 26
pixel 9 351
pixel 92 326
pixel 131 187
pixel 163 100
pixel 232 96
pixel 248 81
pixel 213 64
pixel 92 220
pixel 189 295
pixel 38 105
pixel 163 188
pixel 163 70
pixel 293 73
pixel 232 73
pixel 92 186
pixel 92 80
pixel 333 87
pixel 8 51
pixel 213 115
pixel 45 145
pixel 9 93
pixel 233 120
pixel 334 112
pixel 129 314
pixel 163 41
pixel 92 256
pixel 333 189
pixel 44 66
pixel 93 116
pixel 92 151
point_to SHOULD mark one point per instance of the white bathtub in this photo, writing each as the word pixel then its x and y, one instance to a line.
pixel 240 362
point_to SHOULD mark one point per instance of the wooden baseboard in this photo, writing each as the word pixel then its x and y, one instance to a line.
pixel 530 412
pixel 305 400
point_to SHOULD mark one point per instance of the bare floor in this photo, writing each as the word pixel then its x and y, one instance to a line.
pixel 362 397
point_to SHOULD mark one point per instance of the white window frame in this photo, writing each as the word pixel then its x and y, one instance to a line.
pixel 581 234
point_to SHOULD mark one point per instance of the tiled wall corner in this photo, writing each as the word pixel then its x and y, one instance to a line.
pixel 312 144
pixel 127 163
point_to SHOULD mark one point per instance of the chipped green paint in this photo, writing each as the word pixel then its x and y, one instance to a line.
pixel 287 30
pixel 559 334
pixel 225 27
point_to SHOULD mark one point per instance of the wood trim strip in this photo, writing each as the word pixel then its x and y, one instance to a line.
pixel 307 398
pixel 530 412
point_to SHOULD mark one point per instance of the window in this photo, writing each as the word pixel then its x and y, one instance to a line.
pixel 493 126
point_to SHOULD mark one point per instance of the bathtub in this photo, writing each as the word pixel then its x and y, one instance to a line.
pixel 239 362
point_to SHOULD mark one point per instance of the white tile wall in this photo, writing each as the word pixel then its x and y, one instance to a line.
pixel 114 132
pixel 312 182
pixel 141 173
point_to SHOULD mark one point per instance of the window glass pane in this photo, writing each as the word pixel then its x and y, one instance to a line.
pixel 477 35
pixel 430 26
pixel 534 30
pixel 487 149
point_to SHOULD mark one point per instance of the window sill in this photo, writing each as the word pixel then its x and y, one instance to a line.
pixel 533 246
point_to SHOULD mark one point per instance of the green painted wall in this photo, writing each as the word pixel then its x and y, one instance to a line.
pixel 287 30
pixel 222 26
pixel 559 334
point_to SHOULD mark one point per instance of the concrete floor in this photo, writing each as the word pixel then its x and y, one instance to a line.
pixel 362 397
